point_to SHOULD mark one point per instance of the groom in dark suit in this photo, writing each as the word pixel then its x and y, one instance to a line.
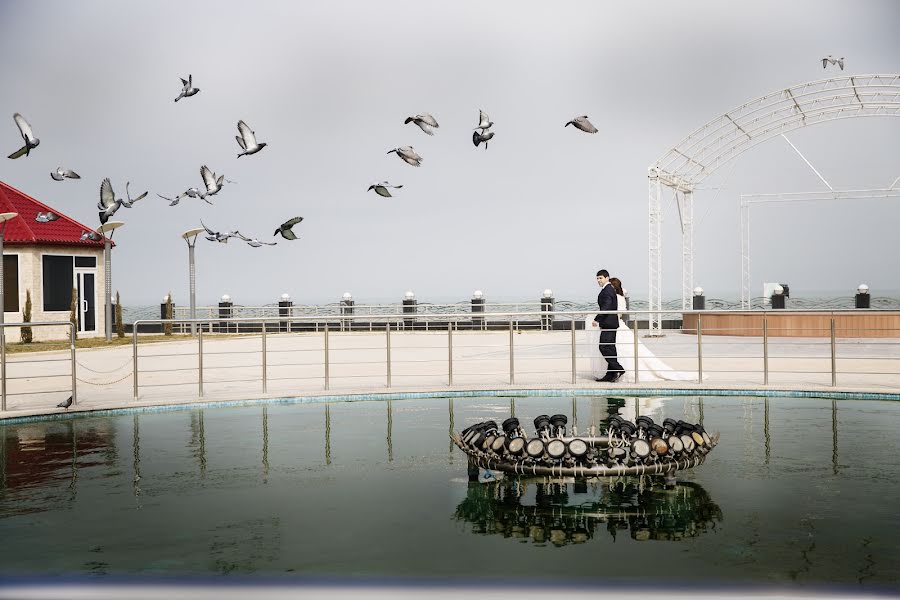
pixel 607 300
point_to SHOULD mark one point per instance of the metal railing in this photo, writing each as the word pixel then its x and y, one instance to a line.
pixel 4 364
pixel 564 323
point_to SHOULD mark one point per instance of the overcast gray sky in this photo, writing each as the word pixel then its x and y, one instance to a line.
pixel 328 84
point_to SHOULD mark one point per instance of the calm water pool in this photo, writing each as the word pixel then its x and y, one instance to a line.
pixel 799 492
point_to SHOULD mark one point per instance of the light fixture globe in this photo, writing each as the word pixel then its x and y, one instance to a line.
pixel 165 298
pixel 779 290
pixel 226 298
pixel 477 295
pixel 285 297
pixel 347 297
pixel 863 289
pixel 409 295
pixel 698 291
pixel 548 293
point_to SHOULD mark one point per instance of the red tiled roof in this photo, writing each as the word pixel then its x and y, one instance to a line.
pixel 25 231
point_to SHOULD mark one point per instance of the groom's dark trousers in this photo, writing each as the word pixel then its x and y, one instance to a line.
pixel 607 300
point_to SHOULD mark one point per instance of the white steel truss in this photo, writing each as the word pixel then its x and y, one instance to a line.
pixel 749 199
pixel 701 153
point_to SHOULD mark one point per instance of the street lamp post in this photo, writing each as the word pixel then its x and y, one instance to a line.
pixel 4 218
pixel 190 236
pixel 108 228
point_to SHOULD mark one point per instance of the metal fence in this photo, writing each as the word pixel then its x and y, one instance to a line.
pixel 24 372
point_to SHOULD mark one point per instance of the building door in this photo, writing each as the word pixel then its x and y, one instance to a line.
pixel 87 301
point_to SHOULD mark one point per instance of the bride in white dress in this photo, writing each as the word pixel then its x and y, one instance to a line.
pixel 650 367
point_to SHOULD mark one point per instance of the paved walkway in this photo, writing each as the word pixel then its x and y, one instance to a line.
pixel 232 367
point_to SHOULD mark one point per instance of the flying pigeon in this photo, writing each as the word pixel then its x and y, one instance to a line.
pixel 583 124
pixel 285 229
pixel 424 121
pixel 90 235
pixel 834 61
pixel 247 140
pixel 46 217
pixel 61 174
pixel 382 188
pixel 215 236
pixel 477 138
pixel 484 121
pixel 253 242
pixel 130 202
pixel 108 204
pixel 188 90
pixel 172 201
pixel 195 193
pixel 408 155
pixel 27 135
pixel 212 183
pixel 65 403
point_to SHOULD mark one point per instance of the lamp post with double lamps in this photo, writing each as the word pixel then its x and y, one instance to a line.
pixel 190 236
pixel 4 219
pixel 107 230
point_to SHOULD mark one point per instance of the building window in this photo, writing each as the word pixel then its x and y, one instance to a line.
pixel 10 283
pixel 85 261
pixel 58 277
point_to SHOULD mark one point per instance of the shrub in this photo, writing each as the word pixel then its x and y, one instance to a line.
pixel 170 311
pixel 120 326
pixel 26 333
pixel 73 311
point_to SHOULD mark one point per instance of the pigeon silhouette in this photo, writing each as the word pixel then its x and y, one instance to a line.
pixel 90 235
pixel 253 242
pixel 65 403
pixel 247 140
pixel 216 236
pixel 108 204
pixel 285 229
pixel 27 135
pixel 484 121
pixel 130 202
pixel 188 89
pixel 424 121
pixel 834 61
pixel 478 137
pixel 60 174
pixel 382 188
pixel 46 217
pixel 583 124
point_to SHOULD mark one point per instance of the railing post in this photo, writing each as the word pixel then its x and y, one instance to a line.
pixel 3 361
pixel 200 359
pixel 512 360
pixel 326 356
pixel 699 349
pixel 134 357
pixel 72 350
pixel 387 345
pixel 833 356
pixel 765 350
pixel 264 380
pixel 574 354
pixel 450 352
pixel 637 368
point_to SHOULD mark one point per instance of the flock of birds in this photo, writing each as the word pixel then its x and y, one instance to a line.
pixel 109 204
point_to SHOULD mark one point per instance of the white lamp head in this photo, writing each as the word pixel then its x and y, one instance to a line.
pixel 110 226
pixel 477 295
pixel 347 297
pixel 192 233
pixel 226 298
pixel 863 289
pixel 779 290
pixel 409 295
pixel 285 297
pixel 548 293
pixel 4 217
pixel 698 291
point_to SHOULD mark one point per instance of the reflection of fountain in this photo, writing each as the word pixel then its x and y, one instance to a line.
pixel 571 513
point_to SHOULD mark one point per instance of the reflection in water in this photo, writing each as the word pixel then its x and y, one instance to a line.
pixel 327 434
pixel 834 447
pixel 390 425
pixel 572 513
pixel 198 439
pixel 136 460
pixel 265 456
pixel 450 431
pixel 766 429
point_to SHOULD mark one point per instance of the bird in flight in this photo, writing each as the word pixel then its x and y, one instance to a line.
pixel 382 188
pixel 216 236
pixel 408 155
pixel 213 184
pixel 247 140
pixel 583 124
pixel 130 202
pixel 46 217
pixel 61 174
pixel 188 90
pixel 484 121
pixel 253 242
pixel 285 229
pixel 425 122
pixel 834 61
pixel 478 137
pixel 27 135
pixel 108 204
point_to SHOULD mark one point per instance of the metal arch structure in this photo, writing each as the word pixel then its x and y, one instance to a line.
pixel 724 138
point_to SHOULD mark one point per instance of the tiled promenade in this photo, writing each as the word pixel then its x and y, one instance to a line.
pixel 232 368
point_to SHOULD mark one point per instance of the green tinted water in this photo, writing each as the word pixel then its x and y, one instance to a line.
pixel 799 491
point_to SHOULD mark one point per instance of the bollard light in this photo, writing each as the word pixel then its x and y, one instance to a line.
pixel 285 297
pixel 863 289
pixel 863 299
pixel 347 297
pixel 409 295
pixel 548 293
pixel 698 291
pixel 477 295
pixel 226 298
pixel 779 290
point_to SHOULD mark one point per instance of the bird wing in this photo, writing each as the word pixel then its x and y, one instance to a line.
pixel 288 234
pixel 71 174
pixel 269 243
pixel 107 197
pixel 56 176
pixel 588 126
pixel 426 118
pixel 24 127
pixel 240 235
pixel 291 222
pixel 240 142
pixel 209 178
pixel 424 127
pixel 20 152
pixel 247 134
pixel 190 80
